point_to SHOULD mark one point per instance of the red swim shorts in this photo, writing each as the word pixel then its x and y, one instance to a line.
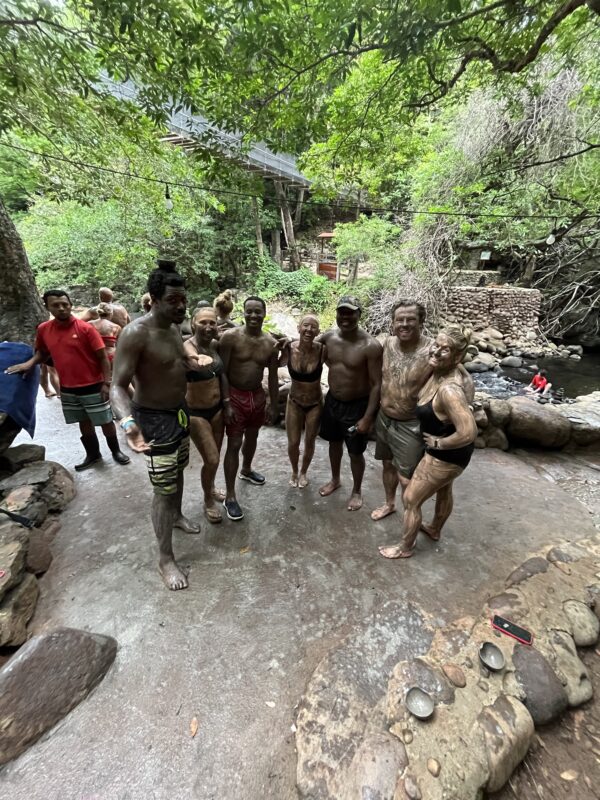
pixel 249 409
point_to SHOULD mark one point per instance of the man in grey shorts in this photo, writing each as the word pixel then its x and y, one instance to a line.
pixel 405 370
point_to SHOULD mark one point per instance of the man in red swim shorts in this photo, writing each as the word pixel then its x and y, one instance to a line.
pixel 246 352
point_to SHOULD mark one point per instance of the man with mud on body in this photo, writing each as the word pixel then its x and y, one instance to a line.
pixel 405 371
pixel 246 352
pixel 156 421
pixel 354 361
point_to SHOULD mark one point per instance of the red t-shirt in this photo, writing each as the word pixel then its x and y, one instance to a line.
pixel 72 345
pixel 539 382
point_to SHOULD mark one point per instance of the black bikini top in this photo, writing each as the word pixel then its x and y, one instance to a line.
pixel 305 377
pixel 206 373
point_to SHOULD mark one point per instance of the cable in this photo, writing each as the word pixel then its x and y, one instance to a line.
pixel 308 203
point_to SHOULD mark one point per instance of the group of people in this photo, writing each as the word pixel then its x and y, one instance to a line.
pixel 411 390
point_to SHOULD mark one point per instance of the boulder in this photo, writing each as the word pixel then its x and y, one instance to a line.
pixel 26 500
pixel 575 357
pixel 480 418
pixel 498 412
pixel 45 679
pixel 12 565
pixel 23 454
pixel 60 489
pixel 476 365
pixel 375 768
pixel 30 475
pixel 16 609
pixel 545 696
pixel 570 669
pixel 533 566
pixel 39 555
pixel 495 437
pixel 486 358
pixel 575 348
pixel 507 730
pixel 585 625
pixel 491 333
pixel 511 361
pixel 12 532
pixel 584 416
pixel 537 424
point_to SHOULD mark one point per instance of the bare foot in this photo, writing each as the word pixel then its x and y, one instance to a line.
pixel 302 481
pixel 383 511
pixel 50 394
pixel 329 488
pixel 395 551
pixel 293 481
pixel 186 525
pixel 430 531
pixel 218 494
pixel 172 576
pixel 355 502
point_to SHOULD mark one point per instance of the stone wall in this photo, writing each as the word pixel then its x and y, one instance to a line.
pixel 509 310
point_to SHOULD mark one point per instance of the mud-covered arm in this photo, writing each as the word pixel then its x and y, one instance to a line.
pixel 456 408
pixel 467 383
pixel 131 344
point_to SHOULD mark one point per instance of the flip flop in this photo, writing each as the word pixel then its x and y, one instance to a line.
pixel 213 515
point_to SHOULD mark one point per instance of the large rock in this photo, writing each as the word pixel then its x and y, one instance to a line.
pixel 584 416
pixel 498 412
pixel 39 555
pixel 343 695
pixel 511 361
pixel 375 768
pixel 495 437
pixel 570 669
pixel 508 730
pixel 60 489
pixel 537 424
pixel 31 475
pixel 545 696
pixel 26 501
pixel 476 365
pixel 16 609
pixel 12 532
pixel 12 565
pixel 23 454
pixel 585 625
pixel 46 678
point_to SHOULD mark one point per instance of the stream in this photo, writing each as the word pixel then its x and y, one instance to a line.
pixel 575 377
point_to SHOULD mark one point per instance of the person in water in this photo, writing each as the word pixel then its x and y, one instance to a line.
pixel 449 430
pixel 206 388
pixel 304 359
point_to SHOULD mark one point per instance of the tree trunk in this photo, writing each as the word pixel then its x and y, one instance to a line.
pixel 21 309
pixel 288 224
pixel 276 245
pixel 259 239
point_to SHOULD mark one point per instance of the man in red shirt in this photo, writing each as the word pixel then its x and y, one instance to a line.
pixel 79 355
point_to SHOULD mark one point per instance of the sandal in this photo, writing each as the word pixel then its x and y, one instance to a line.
pixel 213 515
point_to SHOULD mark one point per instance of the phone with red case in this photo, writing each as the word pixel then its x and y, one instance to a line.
pixel 511 629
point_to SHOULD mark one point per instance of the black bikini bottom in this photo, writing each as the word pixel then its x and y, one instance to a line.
pixel 306 409
pixel 206 413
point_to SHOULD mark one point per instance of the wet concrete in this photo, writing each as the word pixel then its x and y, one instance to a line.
pixel 268 598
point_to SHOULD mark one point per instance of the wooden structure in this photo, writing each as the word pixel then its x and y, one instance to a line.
pixel 327 265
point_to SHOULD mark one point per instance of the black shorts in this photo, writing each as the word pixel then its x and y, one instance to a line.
pixel 169 454
pixel 338 416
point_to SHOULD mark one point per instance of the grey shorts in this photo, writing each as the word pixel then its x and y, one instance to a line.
pixel 399 441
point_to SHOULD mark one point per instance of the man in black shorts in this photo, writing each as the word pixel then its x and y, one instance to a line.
pixel 156 421
pixel 354 361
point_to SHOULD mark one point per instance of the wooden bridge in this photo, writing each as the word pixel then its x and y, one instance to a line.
pixel 195 132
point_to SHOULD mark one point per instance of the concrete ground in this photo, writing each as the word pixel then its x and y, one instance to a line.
pixel 268 597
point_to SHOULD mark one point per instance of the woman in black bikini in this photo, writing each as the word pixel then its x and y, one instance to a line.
pixel 449 431
pixel 305 359
pixel 205 392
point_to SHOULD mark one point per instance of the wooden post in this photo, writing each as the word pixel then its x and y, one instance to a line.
pixel 298 213
pixel 288 224
pixel 276 245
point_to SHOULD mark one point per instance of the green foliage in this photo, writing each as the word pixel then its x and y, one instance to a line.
pixel 299 288
pixel 370 239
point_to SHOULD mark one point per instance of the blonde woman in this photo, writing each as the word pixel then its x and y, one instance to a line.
pixel 205 391
pixel 304 359
pixel 449 430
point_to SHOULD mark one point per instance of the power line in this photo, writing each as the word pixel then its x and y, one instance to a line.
pixel 219 190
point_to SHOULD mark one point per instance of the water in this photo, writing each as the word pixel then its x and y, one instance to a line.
pixel 575 377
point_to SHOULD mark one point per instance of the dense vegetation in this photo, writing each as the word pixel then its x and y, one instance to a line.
pixel 483 112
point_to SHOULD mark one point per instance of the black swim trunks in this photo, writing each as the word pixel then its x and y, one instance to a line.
pixel 169 454
pixel 338 416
